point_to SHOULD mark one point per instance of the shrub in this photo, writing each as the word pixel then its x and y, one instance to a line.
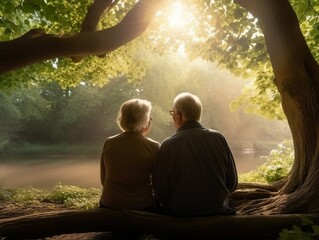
pixel 6 194
pixel 24 194
pixel 277 165
pixel 73 196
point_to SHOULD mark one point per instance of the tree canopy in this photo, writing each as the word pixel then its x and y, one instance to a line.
pixel 218 31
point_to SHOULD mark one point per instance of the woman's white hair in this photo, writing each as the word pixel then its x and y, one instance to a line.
pixel 134 115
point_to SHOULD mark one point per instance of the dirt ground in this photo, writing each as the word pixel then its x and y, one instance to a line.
pixel 10 210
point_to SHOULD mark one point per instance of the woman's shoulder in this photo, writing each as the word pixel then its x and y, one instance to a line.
pixel 113 137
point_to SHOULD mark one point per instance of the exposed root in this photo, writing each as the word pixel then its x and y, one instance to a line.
pixel 274 187
pixel 257 199
pixel 266 206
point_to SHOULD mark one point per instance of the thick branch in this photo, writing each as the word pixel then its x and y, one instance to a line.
pixel 95 13
pixel 92 18
pixel 25 51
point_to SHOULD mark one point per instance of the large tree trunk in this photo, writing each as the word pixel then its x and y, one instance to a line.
pixel 297 79
pixel 101 220
pixel 36 46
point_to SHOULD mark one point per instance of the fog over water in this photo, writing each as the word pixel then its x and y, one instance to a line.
pixel 83 171
pixel 47 171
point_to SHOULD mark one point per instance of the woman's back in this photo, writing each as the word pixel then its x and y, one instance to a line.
pixel 127 160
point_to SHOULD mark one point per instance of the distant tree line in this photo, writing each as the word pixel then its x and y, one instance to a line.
pixel 49 114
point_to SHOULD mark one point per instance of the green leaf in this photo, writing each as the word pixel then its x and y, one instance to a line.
pixel 9 7
pixel 7 31
pixel 36 2
pixel 28 7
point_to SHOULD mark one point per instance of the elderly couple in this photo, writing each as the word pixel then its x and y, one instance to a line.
pixel 192 173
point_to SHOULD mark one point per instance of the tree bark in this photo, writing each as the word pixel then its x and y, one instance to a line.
pixel 92 18
pixel 297 79
pixel 101 220
pixel 32 48
pixel 95 13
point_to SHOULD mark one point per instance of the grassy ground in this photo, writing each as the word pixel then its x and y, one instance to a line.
pixel 16 202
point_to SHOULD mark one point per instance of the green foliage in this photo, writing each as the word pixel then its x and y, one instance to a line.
pixel 276 167
pixel 54 16
pixel 307 230
pixel 227 34
pixel 28 194
pixel 217 31
pixel 24 194
pixel 308 15
pixel 236 43
pixel 70 196
pixel 6 194
pixel 47 113
pixel 73 196
pixel 65 17
pixel 260 97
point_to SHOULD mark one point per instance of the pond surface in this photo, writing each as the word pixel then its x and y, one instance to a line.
pixel 47 171
pixel 83 171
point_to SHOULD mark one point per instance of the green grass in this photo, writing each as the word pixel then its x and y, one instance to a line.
pixel 70 196
pixel 73 196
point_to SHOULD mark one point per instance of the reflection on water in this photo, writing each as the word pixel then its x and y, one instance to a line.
pixel 247 159
pixel 46 172
pixel 83 171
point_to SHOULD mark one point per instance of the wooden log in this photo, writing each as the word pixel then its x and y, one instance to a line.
pixel 101 220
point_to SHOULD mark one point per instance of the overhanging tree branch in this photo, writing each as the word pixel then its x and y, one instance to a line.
pixel 38 47
pixel 93 16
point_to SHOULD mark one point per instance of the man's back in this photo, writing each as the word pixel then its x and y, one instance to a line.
pixel 195 172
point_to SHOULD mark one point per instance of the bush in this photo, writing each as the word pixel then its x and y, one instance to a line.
pixel 73 196
pixel 6 194
pixel 277 165
pixel 70 196
pixel 25 194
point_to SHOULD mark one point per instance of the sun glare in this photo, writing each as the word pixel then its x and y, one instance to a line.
pixel 177 16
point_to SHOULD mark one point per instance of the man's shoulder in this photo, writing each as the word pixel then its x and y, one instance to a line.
pixel 152 142
pixel 213 131
pixel 170 140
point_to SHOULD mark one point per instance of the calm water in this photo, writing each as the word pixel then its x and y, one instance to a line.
pixel 82 171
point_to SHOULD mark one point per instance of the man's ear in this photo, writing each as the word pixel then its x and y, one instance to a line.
pixel 179 117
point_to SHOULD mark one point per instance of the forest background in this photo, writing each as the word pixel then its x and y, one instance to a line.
pixel 61 107
pixel 49 119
